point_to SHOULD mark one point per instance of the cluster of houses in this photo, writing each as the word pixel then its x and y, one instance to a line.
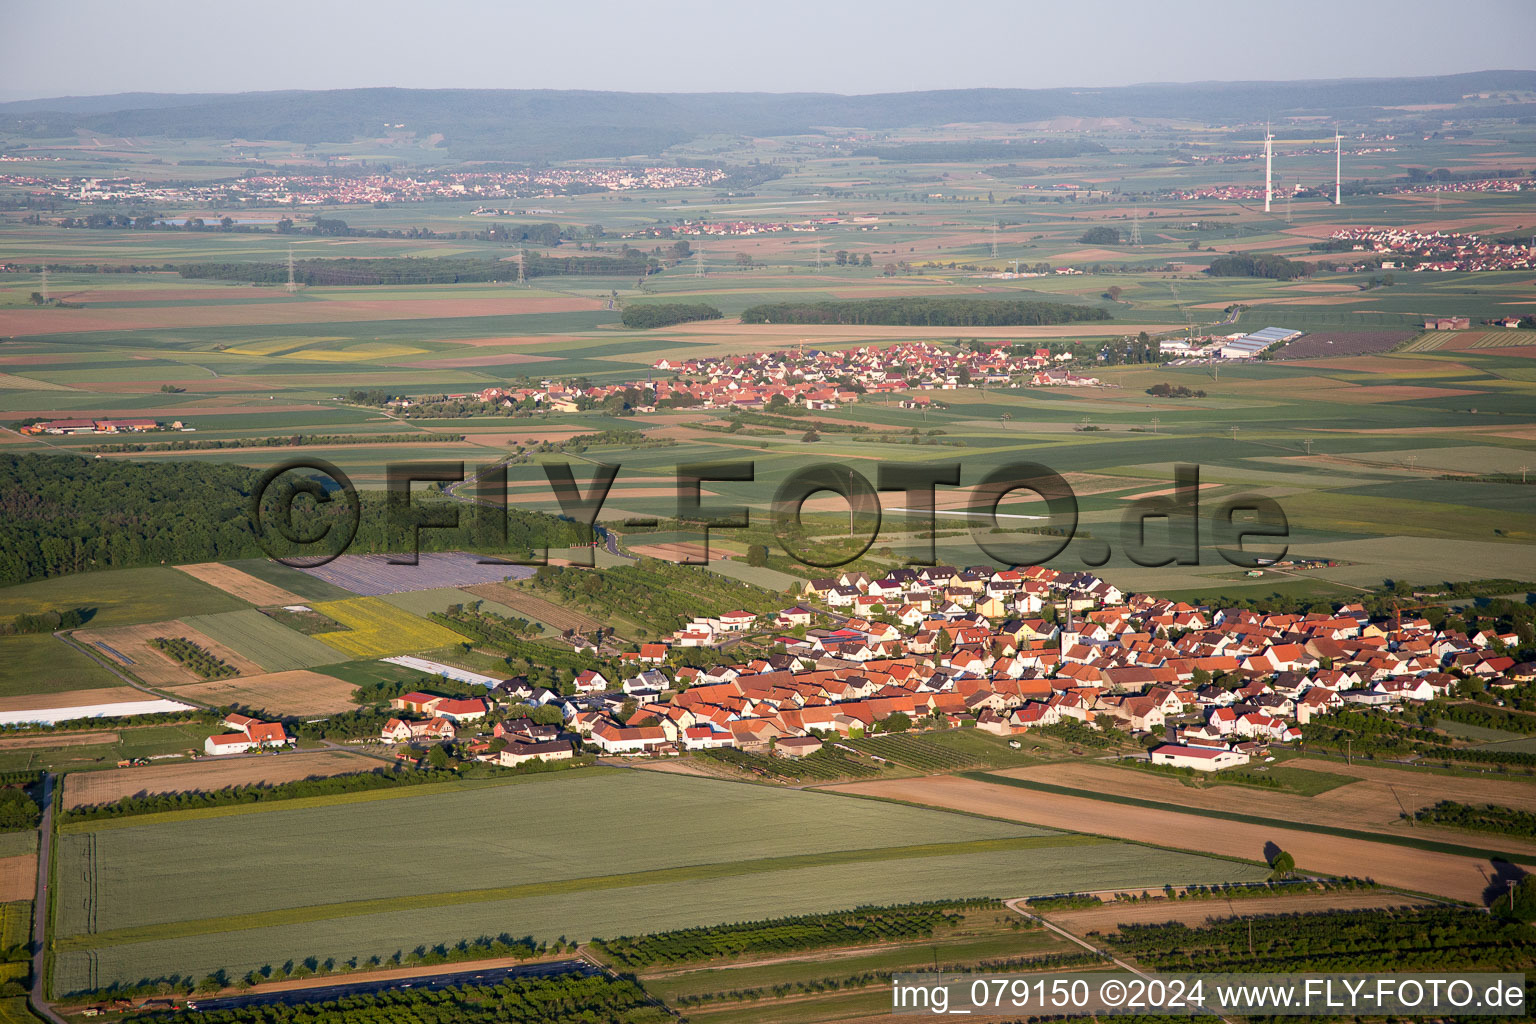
pixel 131 426
pixel 327 189
pixel 812 379
pixel 1003 651
pixel 1437 250
pixel 730 228
pixel 437 718
pixel 247 734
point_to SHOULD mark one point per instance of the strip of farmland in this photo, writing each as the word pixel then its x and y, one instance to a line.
pixel 268 643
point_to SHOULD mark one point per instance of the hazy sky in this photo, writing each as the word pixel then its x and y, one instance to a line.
pixel 86 47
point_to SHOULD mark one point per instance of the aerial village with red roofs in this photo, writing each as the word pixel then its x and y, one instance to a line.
pixel 1003 651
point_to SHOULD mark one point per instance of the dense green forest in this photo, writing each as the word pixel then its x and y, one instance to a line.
pixel 664 314
pixel 61 514
pixel 1276 268
pixel 922 312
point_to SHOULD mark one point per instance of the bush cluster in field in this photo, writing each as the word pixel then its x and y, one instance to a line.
pixel 187 653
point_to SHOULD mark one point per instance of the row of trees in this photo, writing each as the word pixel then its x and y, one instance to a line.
pixel 857 927
pixel 46 622
pixel 358 782
pixel 1509 821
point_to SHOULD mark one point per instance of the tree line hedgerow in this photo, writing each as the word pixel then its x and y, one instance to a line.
pixel 357 782
pixel 923 312
pixel 563 999
pixel 1509 821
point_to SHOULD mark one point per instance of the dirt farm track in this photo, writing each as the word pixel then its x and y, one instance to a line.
pixel 1459 877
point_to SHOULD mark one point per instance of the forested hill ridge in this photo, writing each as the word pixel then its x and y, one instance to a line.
pixel 538 124
pixel 61 514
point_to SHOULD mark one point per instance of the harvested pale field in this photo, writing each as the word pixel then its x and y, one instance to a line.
pixel 1444 874
pixel 18 878
pixel 295 692
pixel 83 789
pixel 1108 918
pixel 1376 803
pixel 533 607
pixel 128 646
pixel 65 739
pixel 73 699
pixel 240 584
pixel 676 551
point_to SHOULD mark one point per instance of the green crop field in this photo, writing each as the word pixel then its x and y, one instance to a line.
pixel 265 641
pixel 42 664
pixel 15 923
pixel 17 844
pixel 351 878
pixel 119 597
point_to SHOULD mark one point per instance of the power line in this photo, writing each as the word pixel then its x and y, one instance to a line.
pixel 1135 226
